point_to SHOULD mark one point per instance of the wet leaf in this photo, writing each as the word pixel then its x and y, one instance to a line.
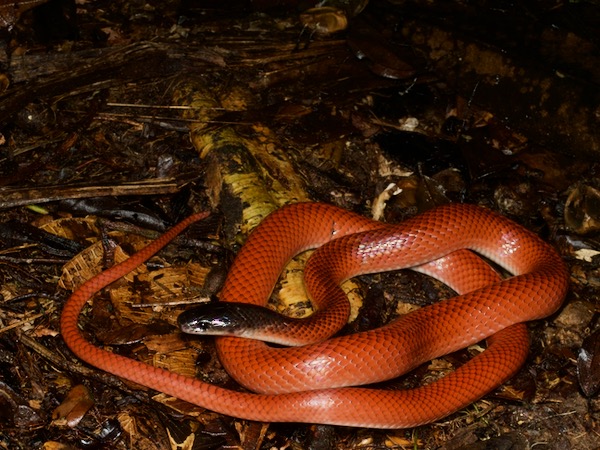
pixel 588 364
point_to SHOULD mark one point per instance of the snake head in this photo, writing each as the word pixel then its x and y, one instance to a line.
pixel 226 319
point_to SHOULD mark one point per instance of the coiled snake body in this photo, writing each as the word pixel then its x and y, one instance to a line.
pixel 308 383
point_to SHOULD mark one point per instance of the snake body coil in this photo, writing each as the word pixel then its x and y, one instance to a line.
pixel 308 383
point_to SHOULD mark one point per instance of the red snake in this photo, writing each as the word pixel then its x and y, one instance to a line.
pixel 349 245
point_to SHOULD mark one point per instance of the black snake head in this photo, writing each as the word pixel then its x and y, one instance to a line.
pixel 228 319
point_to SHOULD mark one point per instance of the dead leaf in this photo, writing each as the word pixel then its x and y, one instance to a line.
pixel 78 401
